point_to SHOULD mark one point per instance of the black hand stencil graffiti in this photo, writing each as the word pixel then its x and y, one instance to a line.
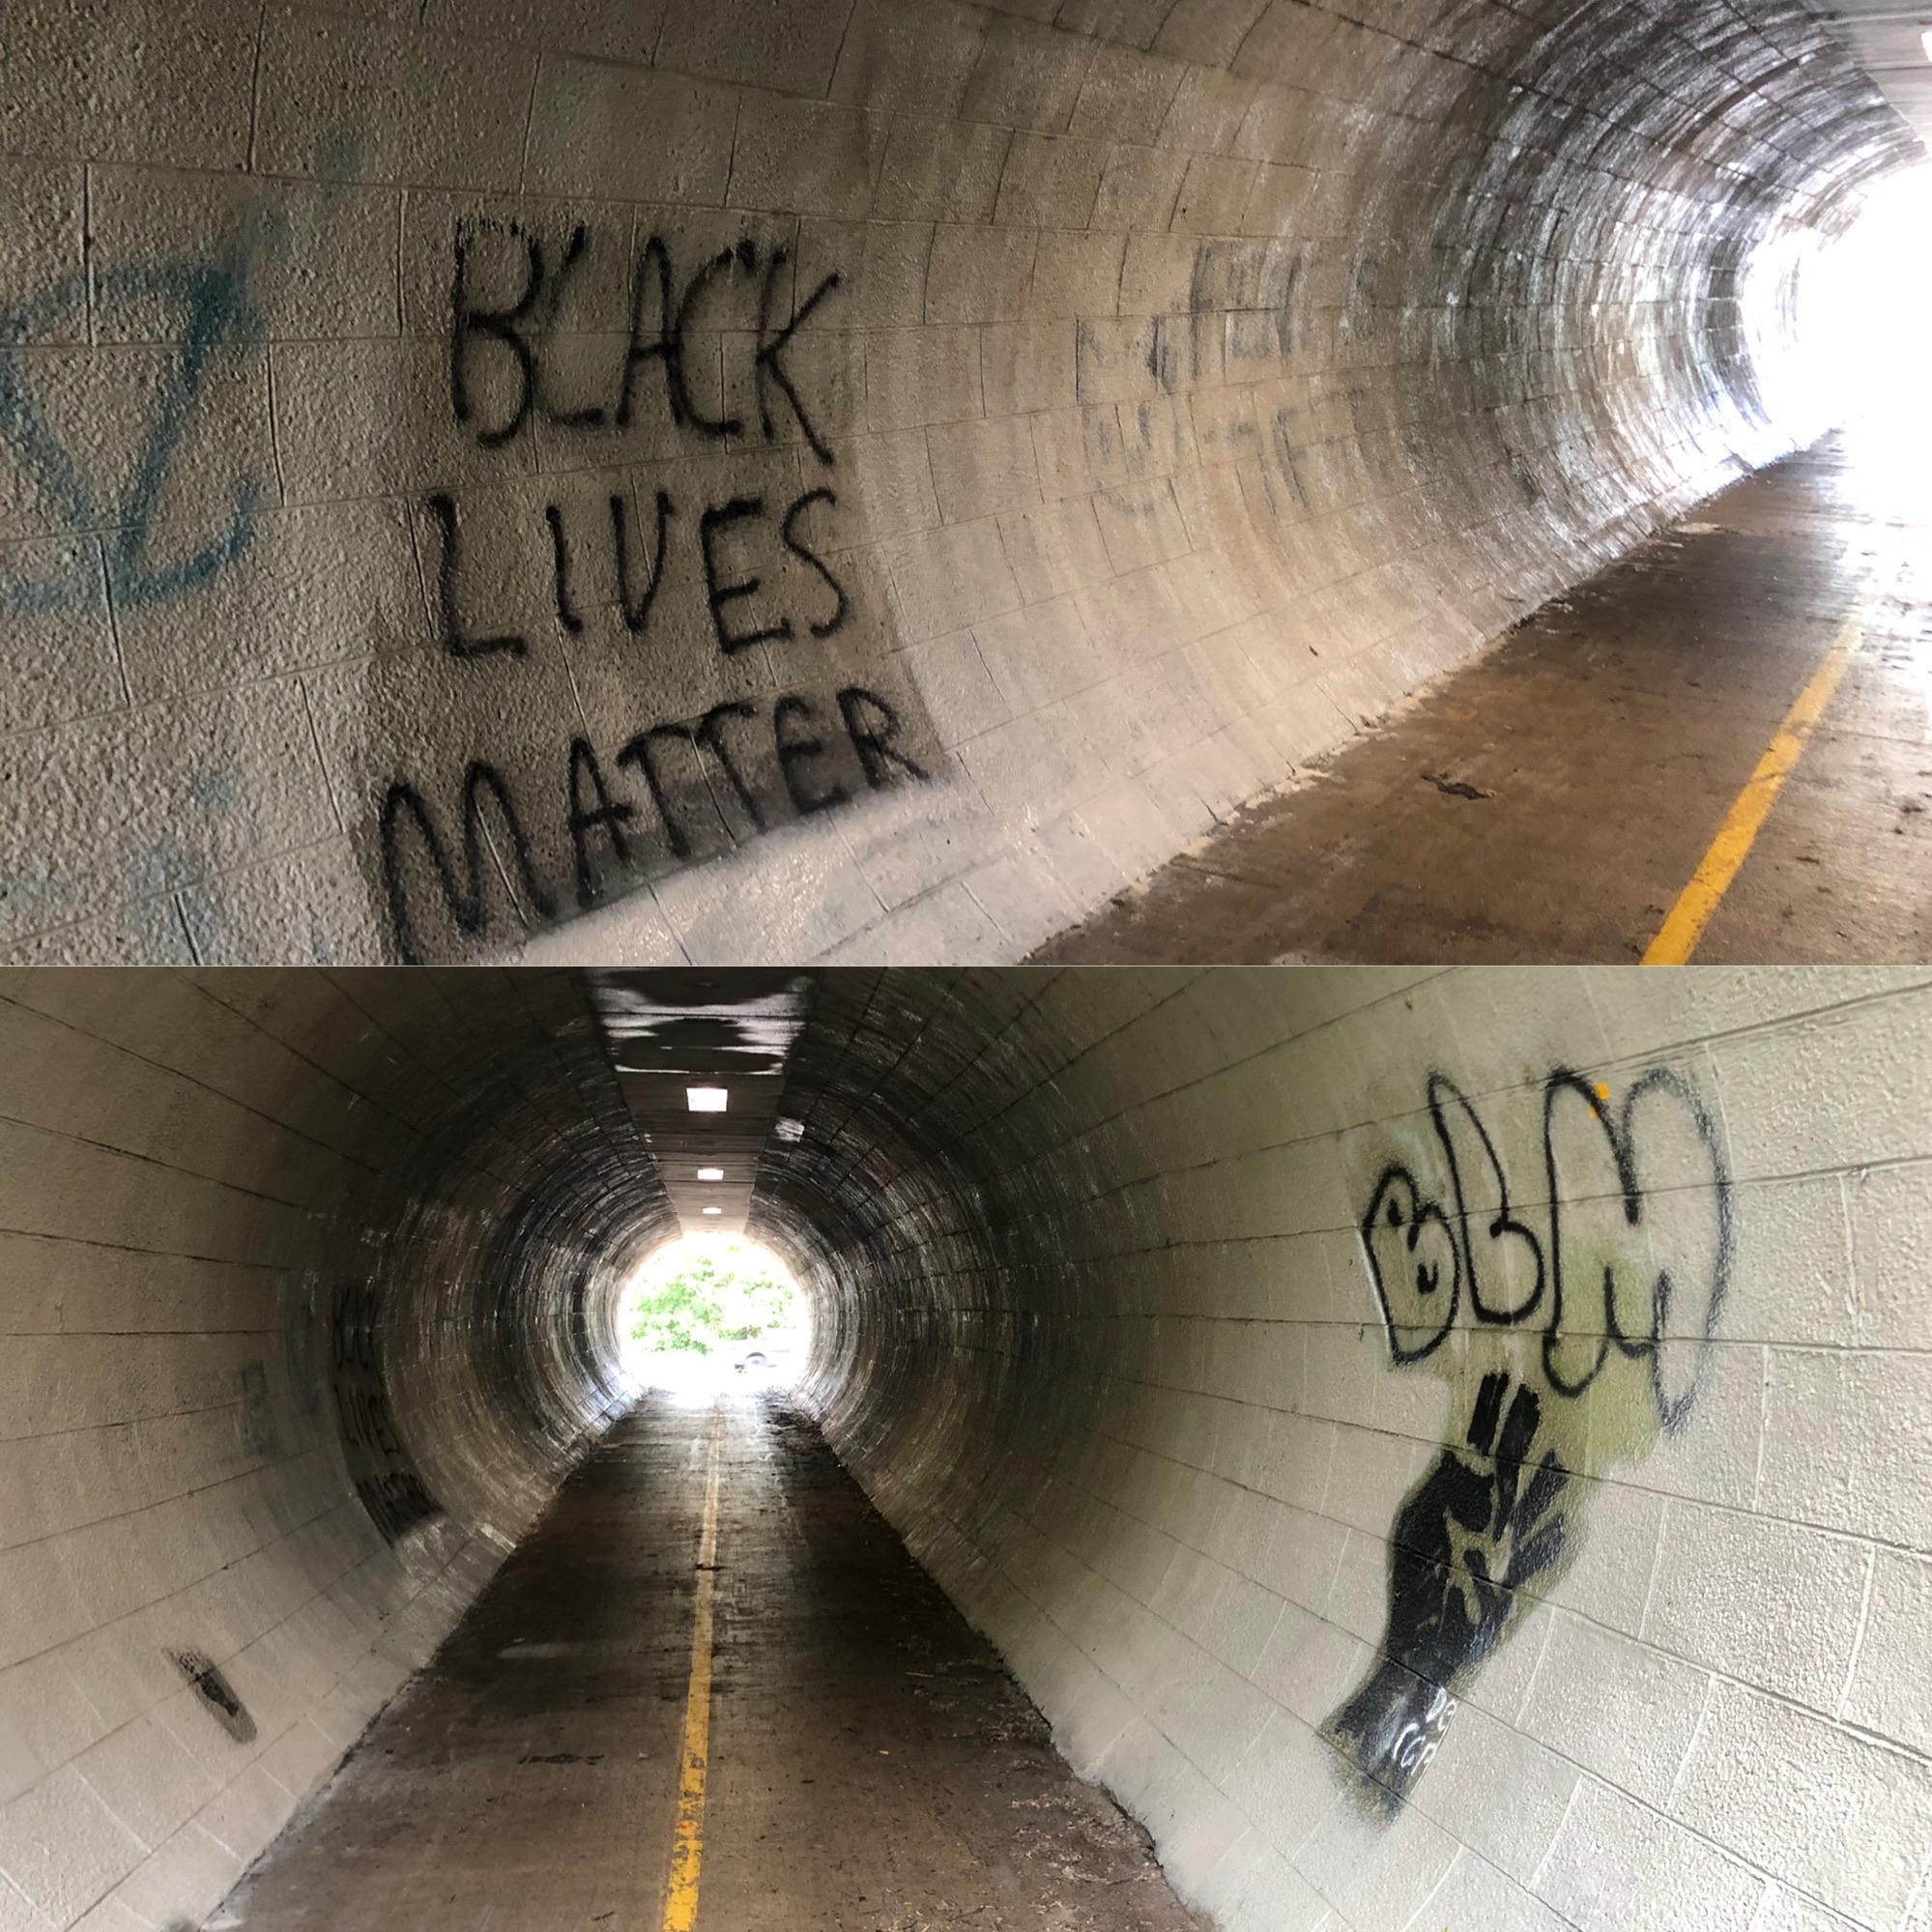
pixel 1467 1538
pixel 1634 1265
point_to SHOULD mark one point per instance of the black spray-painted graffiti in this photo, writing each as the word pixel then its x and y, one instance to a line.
pixel 216 313
pixel 218 1695
pixel 757 560
pixel 662 319
pixel 379 1465
pixel 608 830
pixel 648 799
pixel 1612 1294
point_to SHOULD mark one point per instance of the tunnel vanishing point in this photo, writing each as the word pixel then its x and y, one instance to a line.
pixel 1432 1456
pixel 784 479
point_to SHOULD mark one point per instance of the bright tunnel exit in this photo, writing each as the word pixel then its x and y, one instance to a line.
pixel 711 1314
pixel 1863 361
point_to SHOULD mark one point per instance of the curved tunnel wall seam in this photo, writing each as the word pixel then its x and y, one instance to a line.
pixel 1187 391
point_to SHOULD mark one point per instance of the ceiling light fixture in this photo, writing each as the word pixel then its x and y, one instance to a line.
pixel 711 1173
pixel 1926 41
pixel 714 1210
pixel 705 1099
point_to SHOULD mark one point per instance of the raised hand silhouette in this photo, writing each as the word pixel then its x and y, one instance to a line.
pixel 1468 1537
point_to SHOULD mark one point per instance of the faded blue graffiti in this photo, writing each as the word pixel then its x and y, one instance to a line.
pixel 216 313
pixel 166 864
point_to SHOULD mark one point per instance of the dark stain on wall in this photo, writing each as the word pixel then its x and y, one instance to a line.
pixel 216 1693
pixel 379 1466
pixel 260 1437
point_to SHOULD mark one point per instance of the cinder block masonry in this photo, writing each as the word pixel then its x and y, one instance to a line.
pixel 874 475
pixel 1443 1449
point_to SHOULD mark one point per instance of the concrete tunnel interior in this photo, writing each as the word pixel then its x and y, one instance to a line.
pixel 1158 1313
pixel 742 481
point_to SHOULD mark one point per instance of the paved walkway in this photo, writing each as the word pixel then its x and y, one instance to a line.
pixel 869 1764
pixel 1553 800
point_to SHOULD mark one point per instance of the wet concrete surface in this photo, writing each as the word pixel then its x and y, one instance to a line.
pixel 872 1767
pixel 1550 801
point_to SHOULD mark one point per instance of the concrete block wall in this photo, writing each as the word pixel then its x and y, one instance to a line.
pixel 1448 1449
pixel 258 1449
pixel 840 478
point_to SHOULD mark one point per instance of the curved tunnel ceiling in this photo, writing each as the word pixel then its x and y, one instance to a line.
pixel 843 472
pixel 1132 1316
pixel 1888 42
pixel 675 1036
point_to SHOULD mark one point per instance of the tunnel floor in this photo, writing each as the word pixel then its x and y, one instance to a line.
pixel 1553 800
pixel 870 1764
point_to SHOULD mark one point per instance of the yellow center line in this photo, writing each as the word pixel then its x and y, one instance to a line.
pixel 1678 937
pixel 694 1749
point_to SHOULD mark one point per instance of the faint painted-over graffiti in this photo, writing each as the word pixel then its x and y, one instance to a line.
pixel 1601 1302
pixel 381 1467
